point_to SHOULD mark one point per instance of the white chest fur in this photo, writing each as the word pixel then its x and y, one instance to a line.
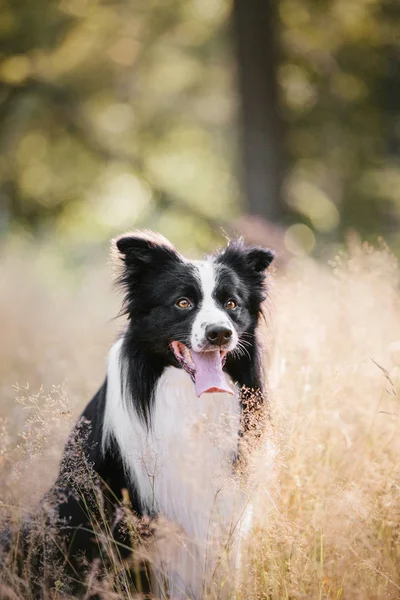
pixel 182 465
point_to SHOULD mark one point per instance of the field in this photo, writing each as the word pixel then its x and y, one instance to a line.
pixel 328 526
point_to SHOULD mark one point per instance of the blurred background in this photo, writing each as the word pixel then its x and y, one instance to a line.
pixel 204 118
pixel 278 120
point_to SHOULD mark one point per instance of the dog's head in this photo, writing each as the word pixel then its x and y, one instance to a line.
pixel 192 314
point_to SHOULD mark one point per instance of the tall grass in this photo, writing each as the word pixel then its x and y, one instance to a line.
pixel 328 525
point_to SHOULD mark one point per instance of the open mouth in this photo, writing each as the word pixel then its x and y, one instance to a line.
pixel 205 368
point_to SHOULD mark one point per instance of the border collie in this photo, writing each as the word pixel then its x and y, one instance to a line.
pixel 169 421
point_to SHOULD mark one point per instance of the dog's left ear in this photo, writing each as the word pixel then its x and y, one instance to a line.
pixel 259 259
pixel 251 261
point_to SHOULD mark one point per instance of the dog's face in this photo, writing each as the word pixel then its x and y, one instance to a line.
pixel 194 313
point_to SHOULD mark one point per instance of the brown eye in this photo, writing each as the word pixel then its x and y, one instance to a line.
pixel 183 303
pixel 230 305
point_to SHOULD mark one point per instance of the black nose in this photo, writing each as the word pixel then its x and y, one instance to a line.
pixel 218 334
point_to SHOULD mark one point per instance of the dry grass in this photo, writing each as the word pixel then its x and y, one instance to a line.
pixel 331 530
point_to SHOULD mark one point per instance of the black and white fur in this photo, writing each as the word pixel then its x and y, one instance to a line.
pixel 146 430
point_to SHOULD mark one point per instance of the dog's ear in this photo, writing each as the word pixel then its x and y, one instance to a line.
pixel 259 259
pixel 136 257
pixel 140 248
pixel 250 260
pixel 251 264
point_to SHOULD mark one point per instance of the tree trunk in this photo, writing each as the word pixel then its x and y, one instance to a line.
pixel 255 25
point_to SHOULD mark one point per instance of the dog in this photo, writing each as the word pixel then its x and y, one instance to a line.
pixel 166 428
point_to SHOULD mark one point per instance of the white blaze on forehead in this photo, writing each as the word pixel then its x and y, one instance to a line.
pixel 210 313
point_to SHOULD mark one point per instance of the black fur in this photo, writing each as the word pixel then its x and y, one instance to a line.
pixel 91 483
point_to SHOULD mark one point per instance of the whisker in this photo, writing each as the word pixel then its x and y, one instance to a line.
pixel 243 348
pixel 248 334
pixel 245 343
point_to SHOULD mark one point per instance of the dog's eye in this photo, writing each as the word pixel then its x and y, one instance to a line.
pixel 183 303
pixel 231 304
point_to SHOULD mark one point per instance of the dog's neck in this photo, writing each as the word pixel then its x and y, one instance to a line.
pixel 182 427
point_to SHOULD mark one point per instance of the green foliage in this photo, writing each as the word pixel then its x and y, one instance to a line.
pixel 341 91
pixel 117 114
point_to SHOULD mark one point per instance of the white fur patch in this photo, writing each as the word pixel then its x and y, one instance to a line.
pixel 210 313
pixel 182 469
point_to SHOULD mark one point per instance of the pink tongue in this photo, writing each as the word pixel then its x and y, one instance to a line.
pixel 209 375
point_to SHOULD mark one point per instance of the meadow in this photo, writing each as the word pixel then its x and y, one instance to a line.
pixel 327 523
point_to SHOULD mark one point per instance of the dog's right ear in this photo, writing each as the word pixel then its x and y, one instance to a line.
pixel 134 251
pixel 136 255
pixel 140 246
